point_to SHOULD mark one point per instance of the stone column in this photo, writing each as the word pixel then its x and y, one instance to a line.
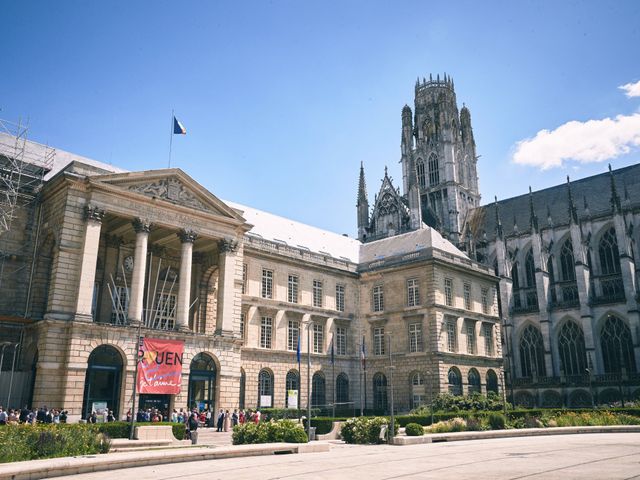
pixel 88 261
pixel 187 237
pixel 226 287
pixel 142 228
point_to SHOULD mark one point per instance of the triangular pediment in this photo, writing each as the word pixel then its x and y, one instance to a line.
pixel 172 186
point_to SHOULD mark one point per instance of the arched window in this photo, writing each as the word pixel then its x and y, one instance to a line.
pixel 379 391
pixel 292 383
pixel 566 262
pixel 103 379
pixel 318 391
pixel 474 381
pixel 420 173
pixel 532 352
pixel 617 346
pixel 573 356
pixel 515 276
pixel 202 382
pixel 530 269
pixel 455 381
pixel 492 381
pixel 265 389
pixel 342 388
pixel 434 170
pixel 609 254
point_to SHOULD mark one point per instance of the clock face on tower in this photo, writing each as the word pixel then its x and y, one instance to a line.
pixel 128 263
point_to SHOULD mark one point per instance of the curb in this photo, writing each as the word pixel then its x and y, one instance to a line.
pixel 524 432
pixel 55 467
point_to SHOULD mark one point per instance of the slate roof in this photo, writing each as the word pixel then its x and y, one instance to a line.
pixel 595 189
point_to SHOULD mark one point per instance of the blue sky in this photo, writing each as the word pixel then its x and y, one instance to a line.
pixel 283 99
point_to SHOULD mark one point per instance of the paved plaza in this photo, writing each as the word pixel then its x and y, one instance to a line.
pixel 596 456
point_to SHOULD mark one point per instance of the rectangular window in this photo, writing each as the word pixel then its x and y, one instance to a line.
pixel 292 289
pixel 266 326
pixel 340 298
pixel 267 283
pixel 484 294
pixel 341 341
pixel 165 312
pixel 448 292
pixel 378 298
pixel 488 339
pixel 413 294
pixel 293 334
pixel 471 338
pixel 318 338
pixel 317 293
pixel 378 341
pixel 452 338
pixel 415 337
pixel 244 278
pixel 242 327
pixel 467 296
pixel 119 305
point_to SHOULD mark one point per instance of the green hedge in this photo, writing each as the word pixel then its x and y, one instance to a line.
pixel 32 442
pixel 268 432
pixel 121 429
pixel 414 430
pixel 365 430
pixel 282 413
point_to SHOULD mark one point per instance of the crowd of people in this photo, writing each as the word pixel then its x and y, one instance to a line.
pixel 32 415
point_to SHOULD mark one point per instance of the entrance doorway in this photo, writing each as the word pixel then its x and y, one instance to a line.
pixel 202 383
pixel 157 402
pixel 102 382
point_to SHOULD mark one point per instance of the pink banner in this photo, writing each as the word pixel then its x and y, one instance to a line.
pixel 160 366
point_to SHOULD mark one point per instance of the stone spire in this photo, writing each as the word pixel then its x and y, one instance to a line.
pixel 499 231
pixel 533 219
pixel 362 206
pixel 615 198
pixel 362 187
pixel 573 212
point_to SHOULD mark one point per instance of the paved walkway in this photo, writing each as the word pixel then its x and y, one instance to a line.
pixel 592 456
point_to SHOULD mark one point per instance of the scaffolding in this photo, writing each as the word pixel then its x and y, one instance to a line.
pixel 23 167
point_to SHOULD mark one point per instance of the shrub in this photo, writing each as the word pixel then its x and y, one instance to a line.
pixel 414 430
pixel 364 430
pixel 497 421
pixel 267 432
pixel 31 442
pixel 445 402
pixel 454 425
pixel 286 413
pixel 475 424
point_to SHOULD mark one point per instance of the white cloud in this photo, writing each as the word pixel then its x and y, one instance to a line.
pixel 584 142
pixel 631 89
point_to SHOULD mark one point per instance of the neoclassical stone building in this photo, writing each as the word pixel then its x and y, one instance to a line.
pixel 118 252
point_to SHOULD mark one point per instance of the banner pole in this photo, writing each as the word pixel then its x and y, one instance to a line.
pixel 171 136
pixel 135 384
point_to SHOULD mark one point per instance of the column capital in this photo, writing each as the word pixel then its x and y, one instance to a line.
pixel 141 225
pixel 187 235
pixel 93 212
pixel 227 245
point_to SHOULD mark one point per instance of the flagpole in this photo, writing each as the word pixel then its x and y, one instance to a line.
pixel 171 136
pixel 299 379
pixel 333 373
pixel 361 345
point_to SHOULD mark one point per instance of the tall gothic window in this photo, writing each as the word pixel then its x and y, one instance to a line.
pixel 420 173
pixel 530 269
pixel 379 391
pixel 318 392
pixel 566 261
pixel 609 254
pixel 532 352
pixel 455 381
pixel 434 170
pixel 617 346
pixel 573 356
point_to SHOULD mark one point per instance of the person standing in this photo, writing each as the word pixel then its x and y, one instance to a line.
pixel 234 418
pixel 220 423
pixel 227 421
pixel 193 428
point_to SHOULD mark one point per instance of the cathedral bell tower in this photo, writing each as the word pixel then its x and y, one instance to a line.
pixel 439 158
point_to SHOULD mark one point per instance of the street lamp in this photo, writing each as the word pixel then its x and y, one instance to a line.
pixel 430 394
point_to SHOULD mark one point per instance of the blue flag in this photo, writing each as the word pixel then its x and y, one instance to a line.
pixel 298 350
pixel 178 128
pixel 362 356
